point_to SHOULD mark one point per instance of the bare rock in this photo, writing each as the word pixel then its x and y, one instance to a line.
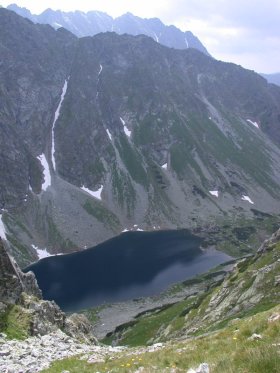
pixel 203 368
pixel 46 316
pixel 79 327
pixel 274 317
pixel 255 337
pixel 269 242
pixel 12 281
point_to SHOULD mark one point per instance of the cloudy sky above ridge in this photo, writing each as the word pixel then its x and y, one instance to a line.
pixel 243 32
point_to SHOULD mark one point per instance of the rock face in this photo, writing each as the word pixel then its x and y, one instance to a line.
pixel 12 281
pixel 275 238
pixel 41 317
pixel 110 132
pixel 91 23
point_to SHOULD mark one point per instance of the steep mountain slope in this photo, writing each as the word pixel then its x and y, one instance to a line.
pixel 93 22
pixel 104 133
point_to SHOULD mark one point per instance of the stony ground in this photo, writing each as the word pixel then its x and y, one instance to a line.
pixel 36 353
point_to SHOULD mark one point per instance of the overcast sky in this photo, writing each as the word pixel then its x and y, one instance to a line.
pixel 246 32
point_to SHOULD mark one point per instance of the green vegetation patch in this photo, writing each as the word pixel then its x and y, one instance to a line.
pixel 144 329
pixel 15 322
pixel 55 238
pixel 132 161
pixel 102 214
pixel 123 190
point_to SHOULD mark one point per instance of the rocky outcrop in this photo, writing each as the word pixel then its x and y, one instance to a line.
pixel 78 326
pixel 269 242
pixel 13 282
pixel 45 316
pixel 40 317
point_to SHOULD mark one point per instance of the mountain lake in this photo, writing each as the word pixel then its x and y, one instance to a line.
pixel 129 266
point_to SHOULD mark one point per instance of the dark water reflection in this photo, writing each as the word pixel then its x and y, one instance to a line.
pixel 132 265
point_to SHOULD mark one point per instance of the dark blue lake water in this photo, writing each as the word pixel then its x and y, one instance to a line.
pixel 132 265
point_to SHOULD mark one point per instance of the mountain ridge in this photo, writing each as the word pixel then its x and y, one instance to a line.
pixel 93 22
pixel 143 137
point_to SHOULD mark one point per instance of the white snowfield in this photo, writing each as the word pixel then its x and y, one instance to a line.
pixel 214 193
pixel 96 194
pixel 56 25
pixel 126 130
pixel 56 116
pixel 100 69
pixel 187 43
pixel 253 123
pixel 46 171
pixel 248 199
pixel 2 229
pixel 164 166
pixel 42 253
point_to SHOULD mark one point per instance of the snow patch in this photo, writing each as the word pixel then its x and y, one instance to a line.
pixel 96 194
pixel 133 229
pixel 214 193
pixel 46 171
pixel 126 130
pixel 187 43
pixel 42 253
pixel 109 134
pixel 253 123
pixel 2 229
pixel 164 166
pixel 56 25
pixel 56 115
pixel 100 69
pixel 248 199
pixel 156 37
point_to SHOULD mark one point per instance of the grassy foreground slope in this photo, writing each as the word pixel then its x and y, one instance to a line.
pixel 231 349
